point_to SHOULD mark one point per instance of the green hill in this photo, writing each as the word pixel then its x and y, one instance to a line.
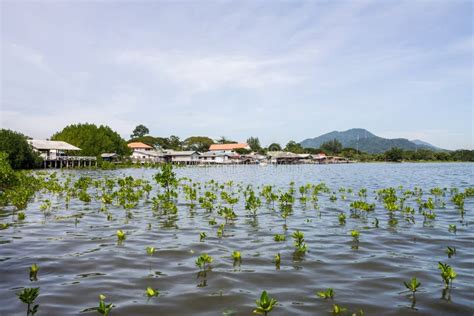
pixel 364 140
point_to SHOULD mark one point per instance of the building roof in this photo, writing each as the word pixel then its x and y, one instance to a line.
pixel 138 145
pixel 228 146
pixel 283 155
pixel 40 144
pixel 109 155
pixel 150 153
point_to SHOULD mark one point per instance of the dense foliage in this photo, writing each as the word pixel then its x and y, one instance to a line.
pixel 254 144
pixel 333 146
pixel 20 155
pixel 140 131
pixel 93 140
pixel 198 143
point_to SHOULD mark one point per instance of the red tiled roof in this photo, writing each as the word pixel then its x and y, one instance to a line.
pixel 228 146
pixel 138 145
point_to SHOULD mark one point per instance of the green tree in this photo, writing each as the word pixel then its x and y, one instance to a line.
pixel 140 131
pixel 93 140
pixel 20 153
pixel 224 140
pixel 294 147
pixel 198 143
pixel 149 140
pixel 274 147
pixel 334 146
pixel 254 144
pixel 394 154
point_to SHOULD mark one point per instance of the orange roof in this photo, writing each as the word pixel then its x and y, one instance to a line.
pixel 138 145
pixel 228 146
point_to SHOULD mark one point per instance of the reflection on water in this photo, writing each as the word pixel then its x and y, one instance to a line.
pixel 79 242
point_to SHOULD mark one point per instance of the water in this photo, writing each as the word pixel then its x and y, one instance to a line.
pixel 79 261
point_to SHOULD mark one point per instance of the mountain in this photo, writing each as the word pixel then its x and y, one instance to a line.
pixel 364 140
pixel 425 144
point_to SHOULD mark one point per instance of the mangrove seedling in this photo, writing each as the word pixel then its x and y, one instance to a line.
pixel 342 218
pixel 150 251
pixel 34 272
pixel 28 296
pixel 121 235
pixel 451 251
pixel 236 255
pixel 104 309
pixel 452 228
pixel 150 292
pixel 279 237
pixel 338 310
pixel 413 285
pixel 204 260
pixel 355 235
pixel 21 216
pixel 299 243
pixel 277 260
pixel 329 293
pixel 265 304
pixel 202 236
pixel 447 273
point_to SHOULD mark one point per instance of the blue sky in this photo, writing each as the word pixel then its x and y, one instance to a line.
pixel 279 70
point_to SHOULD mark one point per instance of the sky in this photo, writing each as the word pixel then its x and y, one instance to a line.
pixel 278 70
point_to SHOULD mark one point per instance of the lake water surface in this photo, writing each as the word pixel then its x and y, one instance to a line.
pixel 81 259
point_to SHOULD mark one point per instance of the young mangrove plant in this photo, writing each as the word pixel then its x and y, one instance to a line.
pixel 299 243
pixel 265 304
pixel 452 228
pixel 342 218
pixel 150 251
pixel 28 296
pixel 103 308
pixel 34 272
pixel 204 261
pixel 237 256
pixel 151 292
pixel 355 235
pixel 279 237
pixel 413 285
pixel 21 216
pixel 451 251
pixel 338 310
pixel 447 274
pixel 121 236
pixel 202 236
pixel 277 261
pixel 329 293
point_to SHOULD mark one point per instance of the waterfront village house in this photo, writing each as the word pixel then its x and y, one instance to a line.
pixel 283 157
pixel 219 157
pixel 111 157
pixel 145 153
pixel 228 147
pixel 182 157
pixel 51 149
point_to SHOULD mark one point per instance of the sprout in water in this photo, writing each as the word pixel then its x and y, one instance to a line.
pixel 355 235
pixel 204 260
pixel 447 273
pixel 21 216
pixel 413 285
pixel 342 218
pixel 451 251
pixel 265 304
pixel 150 292
pixel 236 256
pixel 34 272
pixel 338 310
pixel 28 296
pixel 104 309
pixel 202 236
pixel 277 260
pixel 329 293
pixel 279 237
pixel 121 235
pixel 452 228
pixel 150 251
pixel 299 243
